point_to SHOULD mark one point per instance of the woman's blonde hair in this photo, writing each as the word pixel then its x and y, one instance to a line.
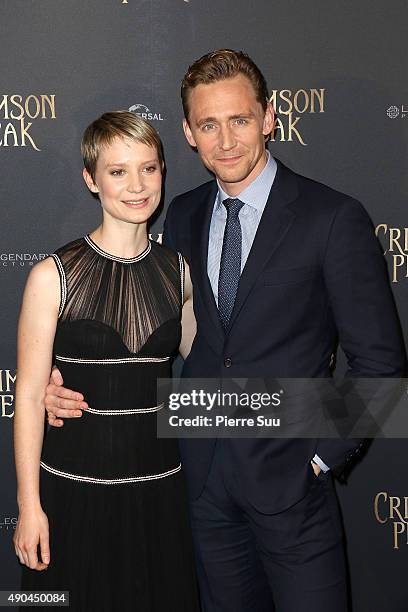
pixel 116 124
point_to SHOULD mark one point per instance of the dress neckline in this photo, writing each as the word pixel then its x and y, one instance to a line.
pixel 125 260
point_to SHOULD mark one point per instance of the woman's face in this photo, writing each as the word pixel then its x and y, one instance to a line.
pixel 128 180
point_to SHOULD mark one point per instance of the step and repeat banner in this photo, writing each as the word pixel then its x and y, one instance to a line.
pixel 336 74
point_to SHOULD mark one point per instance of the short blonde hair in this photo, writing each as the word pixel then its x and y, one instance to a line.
pixel 116 124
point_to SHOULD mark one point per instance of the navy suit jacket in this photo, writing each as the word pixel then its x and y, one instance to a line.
pixel 315 276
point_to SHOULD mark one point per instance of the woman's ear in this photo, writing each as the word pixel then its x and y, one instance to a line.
pixel 89 181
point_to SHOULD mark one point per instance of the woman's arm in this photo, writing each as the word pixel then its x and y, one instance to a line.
pixel 36 331
pixel 188 322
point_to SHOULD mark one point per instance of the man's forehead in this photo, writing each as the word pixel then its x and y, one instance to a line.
pixel 224 98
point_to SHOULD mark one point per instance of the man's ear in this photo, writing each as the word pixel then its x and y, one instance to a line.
pixel 89 181
pixel 269 120
pixel 188 133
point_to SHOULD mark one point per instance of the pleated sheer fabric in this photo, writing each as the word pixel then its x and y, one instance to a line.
pixel 132 296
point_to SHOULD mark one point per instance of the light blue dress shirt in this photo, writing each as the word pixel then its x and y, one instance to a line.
pixel 255 197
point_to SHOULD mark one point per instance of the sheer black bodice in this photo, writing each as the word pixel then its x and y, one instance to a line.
pixel 118 327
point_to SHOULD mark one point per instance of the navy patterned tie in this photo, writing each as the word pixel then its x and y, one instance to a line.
pixel 230 266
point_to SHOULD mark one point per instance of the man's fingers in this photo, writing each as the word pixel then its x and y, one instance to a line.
pixel 68 405
pixel 54 421
pixel 56 377
pixel 64 410
pixel 53 391
pixel 55 404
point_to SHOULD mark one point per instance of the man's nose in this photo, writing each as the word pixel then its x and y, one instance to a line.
pixel 227 138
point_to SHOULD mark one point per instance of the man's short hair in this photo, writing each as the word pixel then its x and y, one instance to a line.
pixel 219 65
pixel 116 124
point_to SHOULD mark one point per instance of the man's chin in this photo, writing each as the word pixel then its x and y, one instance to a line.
pixel 230 176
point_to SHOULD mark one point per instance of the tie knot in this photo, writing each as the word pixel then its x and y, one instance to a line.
pixel 233 206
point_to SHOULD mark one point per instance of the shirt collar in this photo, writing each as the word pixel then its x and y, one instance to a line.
pixel 257 192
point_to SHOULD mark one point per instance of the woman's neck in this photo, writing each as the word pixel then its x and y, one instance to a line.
pixel 121 240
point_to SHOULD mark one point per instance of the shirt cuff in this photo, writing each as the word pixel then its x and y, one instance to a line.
pixel 325 468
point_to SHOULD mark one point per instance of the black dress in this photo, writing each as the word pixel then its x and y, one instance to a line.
pixel 113 492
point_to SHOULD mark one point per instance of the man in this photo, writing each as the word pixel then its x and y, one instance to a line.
pixel 282 268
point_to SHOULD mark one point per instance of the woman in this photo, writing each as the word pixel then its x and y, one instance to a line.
pixel 102 501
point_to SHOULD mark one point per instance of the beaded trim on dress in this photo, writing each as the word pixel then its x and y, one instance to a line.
pixel 128 260
pixel 109 481
pixel 120 412
pixel 112 361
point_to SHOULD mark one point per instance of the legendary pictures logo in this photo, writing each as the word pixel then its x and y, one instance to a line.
pixel 20 260
pixel 290 106
pixel 7 392
pixel 394 511
pixel 143 111
pixel 8 523
pixel 395 111
pixel 15 113
pixel 396 247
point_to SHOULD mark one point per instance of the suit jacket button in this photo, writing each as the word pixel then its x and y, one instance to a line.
pixel 227 362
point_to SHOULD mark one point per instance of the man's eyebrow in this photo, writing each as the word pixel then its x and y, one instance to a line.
pixel 247 115
pixel 206 120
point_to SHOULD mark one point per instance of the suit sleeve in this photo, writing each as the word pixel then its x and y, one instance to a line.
pixel 362 303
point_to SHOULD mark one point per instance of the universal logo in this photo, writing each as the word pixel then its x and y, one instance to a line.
pixel 393 510
pixel 20 260
pixel 8 523
pixel 396 111
pixel 396 249
pixel 7 390
pixel 142 111
pixel 15 114
pixel 290 106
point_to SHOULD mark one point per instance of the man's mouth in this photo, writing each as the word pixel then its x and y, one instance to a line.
pixel 229 160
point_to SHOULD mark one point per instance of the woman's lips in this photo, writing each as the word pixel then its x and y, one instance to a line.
pixel 139 203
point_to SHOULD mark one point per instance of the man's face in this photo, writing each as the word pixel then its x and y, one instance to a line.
pixel 228 126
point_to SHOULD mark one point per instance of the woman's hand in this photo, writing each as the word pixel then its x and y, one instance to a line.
pixel 31 531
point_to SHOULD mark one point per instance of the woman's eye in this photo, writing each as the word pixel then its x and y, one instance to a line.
pixel 150 169
pixel 119 172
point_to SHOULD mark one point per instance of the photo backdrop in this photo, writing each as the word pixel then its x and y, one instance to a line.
pixel 337 76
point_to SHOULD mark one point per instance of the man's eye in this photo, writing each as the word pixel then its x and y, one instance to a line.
pixel 241 121
pixel 119 172
pixel 207 127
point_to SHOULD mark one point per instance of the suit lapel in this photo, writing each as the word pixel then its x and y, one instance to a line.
pixel 275 222
pixel 200 228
